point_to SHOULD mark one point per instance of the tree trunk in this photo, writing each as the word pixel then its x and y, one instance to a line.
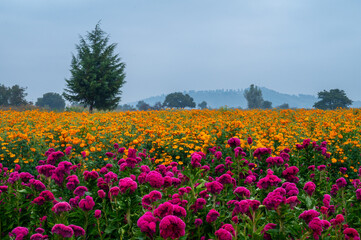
pixel 91 108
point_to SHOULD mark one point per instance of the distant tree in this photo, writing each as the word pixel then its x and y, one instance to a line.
pixel 157 106
pixel 51 100
pixel 126 107
pixel 335 98
pixel 142 106
pixel 202 105
pixel 97 74
pixel 4 95
pixel 179 100
pixel 283 106
pixel 254 97
pixel 17 96
pixel 266 105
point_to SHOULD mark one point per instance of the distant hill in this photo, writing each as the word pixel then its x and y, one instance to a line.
pixel 235 98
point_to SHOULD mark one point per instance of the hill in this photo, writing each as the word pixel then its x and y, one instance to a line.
pixel 235 98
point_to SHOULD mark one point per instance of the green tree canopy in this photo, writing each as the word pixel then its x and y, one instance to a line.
pixel 335 98
pixel 179 100
pixel 12 96
pixel 97 74
pixel 51 100
pixel 202 105
pixel 143 106
pixel 266 105
pixel 157 106
pixel 254 98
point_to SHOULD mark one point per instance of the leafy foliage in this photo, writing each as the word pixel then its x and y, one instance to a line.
pixel 202 105
pixel 97 74
pixel 53 101
pixel 12 96
pixel 178 100
pixel 142 106
pixel 330 100
pixel 254 98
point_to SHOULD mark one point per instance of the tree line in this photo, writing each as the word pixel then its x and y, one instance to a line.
pixel 98 74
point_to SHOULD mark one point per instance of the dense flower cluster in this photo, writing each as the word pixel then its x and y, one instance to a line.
pixel 226 193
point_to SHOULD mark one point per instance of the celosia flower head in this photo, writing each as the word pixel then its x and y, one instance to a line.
pixel 172 227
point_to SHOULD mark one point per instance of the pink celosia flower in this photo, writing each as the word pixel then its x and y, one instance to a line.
pixel 87 204
pixel 62 230
pixel 155 179
pixel 212 216
pixel 127 183
pixel 147 224
pixel 172 227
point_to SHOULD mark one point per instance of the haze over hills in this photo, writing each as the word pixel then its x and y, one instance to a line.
pixel 234 98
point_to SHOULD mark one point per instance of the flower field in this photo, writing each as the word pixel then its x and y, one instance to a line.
pixel 210 174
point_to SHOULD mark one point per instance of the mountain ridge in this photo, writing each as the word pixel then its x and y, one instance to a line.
pixel 234 98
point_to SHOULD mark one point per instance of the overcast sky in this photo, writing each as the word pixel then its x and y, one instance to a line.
pixel 291 46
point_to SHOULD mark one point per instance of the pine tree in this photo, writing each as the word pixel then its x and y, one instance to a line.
pixel 97 74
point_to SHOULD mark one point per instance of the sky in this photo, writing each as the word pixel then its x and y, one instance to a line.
pixel 298 46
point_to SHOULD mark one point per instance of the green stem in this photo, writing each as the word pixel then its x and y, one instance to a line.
pixel 214 201
pixel 100 233
pixel 128 217
pixel 86 223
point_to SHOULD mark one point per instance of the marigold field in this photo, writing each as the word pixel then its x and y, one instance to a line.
pixel 180 174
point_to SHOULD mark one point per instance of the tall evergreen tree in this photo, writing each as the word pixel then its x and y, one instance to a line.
pixel 97 74
pixel 254 97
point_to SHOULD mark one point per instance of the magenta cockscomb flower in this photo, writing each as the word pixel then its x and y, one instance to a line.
pixel 196 160
pixel 259 152
pixel 334 190
pixel 214 187
pixel 101 194
pixel 179 211
pixel 198 222
pixel 147 224
pixel 234 142
pixel 37 184
pixel 268 181
pixel 308 215
pixel 351 233
pixel 225 179
pixel 172 227
pixel 62 230
pixel 212 216
pixel 291 189
pixel 155 179
pixel 78 231
pixel 242 192
pixel 326 200
pixel 87 204
pixel 274 161
pixel 127 183
pixel 36 236
pixel 68 150
pixel 309 188
pixel 223 234
pixel 19 233
pixel 268 226
pixel 273 200
pixel 164 209
pixel 114 191
pixel 61 207
pixel 80 191
pixel 316 226
pixel 292 201
pixel 341 182
pixel 97 214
